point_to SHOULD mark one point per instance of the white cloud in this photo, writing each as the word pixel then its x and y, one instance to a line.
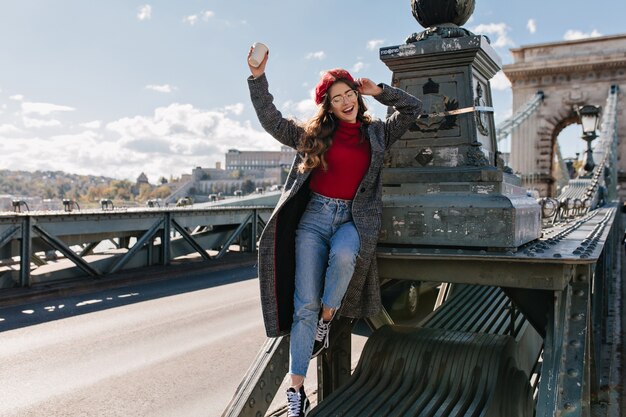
pixel 316 55
pixel 301 110
pixel 44 109
pixel 191 19
pixel 374 44
pixel 95 124
pixel 500 82
pixel 235 109
pixel 179 137
pixel 531 25
pixel 30 122
pixel 163 88
pixel 7 129
pixel 86 156
pixel 358 66
pixel 572 35
pixel 145 12
pixel 17 97
pixel 171 141
pixel 204 15
pixel 499 32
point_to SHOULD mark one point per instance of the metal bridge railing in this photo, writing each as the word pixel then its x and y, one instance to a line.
pixel 588 192
pixel 45 247
pixel 504 129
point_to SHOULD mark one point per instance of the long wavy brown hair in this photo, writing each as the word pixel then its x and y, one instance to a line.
pixel 319 131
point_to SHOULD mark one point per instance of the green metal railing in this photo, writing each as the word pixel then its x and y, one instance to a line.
pixel 136 238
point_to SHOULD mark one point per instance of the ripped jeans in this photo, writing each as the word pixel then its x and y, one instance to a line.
pixel 327 244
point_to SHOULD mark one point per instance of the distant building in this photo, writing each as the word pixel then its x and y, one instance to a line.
pixel 244 169
pixel 259 160
pixel 142 179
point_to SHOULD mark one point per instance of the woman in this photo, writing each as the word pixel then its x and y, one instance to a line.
pixel 317 251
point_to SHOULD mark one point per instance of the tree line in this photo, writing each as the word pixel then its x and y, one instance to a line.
pixel 80 188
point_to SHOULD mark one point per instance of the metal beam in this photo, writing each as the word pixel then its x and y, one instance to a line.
pixel 25 250
pixel 166 239
pixel 232 237
pixel 8 235
pixel 189 239
pixel 334 364
pixel 140 242
pixel 65 250
pixel 88 248
pixel 514 274
pixel 254 231
pixel 260 384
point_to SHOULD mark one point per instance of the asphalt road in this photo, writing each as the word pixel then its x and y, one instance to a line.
pixel 170 348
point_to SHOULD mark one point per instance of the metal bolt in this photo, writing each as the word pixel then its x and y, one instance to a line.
pixel 251 402
pixel 572 372
pixel 569 406
pixel 574 343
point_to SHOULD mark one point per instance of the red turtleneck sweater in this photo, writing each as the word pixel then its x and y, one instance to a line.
pixel 348 159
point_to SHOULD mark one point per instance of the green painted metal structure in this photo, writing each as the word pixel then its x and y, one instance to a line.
pixel 45 247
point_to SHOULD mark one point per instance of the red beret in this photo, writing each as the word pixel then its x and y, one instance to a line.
pixel 328 79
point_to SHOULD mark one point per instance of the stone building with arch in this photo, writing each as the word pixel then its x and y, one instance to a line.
pixel 570 74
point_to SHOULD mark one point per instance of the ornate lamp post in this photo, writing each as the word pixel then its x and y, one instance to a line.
pixel 589 119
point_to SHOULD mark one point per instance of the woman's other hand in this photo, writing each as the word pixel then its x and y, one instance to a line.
pixel 257 71
pixel 367 87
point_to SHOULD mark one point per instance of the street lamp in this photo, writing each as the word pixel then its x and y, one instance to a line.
pixel 589 119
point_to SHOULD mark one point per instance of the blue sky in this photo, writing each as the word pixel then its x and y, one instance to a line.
pixel 119 87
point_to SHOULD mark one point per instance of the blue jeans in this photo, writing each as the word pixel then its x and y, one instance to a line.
pixel 327 244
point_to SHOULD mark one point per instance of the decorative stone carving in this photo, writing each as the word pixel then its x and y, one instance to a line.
pixel 434 101
pixel 424 156
pixel 441 18
pixel 481 118
pixel 475 156
pixel 501 165
pixel 441 32
pixel 435 12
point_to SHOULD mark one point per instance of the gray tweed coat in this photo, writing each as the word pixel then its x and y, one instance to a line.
pixel 277 243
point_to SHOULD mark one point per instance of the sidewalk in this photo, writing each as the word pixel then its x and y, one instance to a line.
pixel 176 270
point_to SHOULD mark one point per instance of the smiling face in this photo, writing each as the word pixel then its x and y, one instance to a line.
pixel 344 103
